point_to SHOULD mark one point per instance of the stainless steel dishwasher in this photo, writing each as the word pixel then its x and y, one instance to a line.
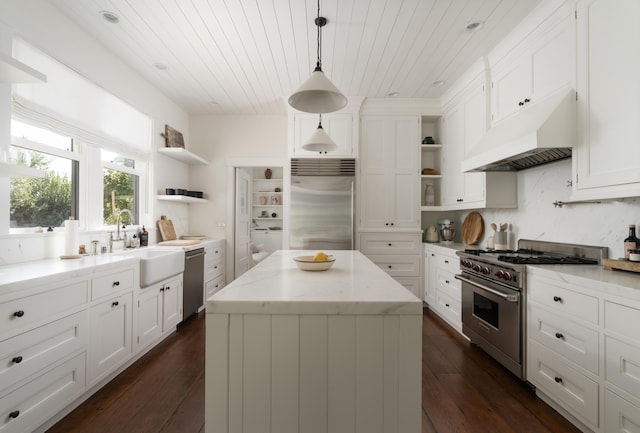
pixel 193 286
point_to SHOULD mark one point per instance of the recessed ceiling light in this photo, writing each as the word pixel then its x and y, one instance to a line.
pixel 393 94
pixel 439 83
pixel 160 66
pixel 110 17
pixel 474 26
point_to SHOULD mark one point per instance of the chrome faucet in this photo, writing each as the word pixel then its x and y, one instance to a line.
pixel 118 221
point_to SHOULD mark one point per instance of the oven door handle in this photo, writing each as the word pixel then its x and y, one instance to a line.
pixel 505 296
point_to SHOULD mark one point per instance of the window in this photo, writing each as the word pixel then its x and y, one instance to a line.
pixel 50 200
pixel 121 187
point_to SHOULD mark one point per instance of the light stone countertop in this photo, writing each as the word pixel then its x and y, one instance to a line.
pixel 354 285
pixel 20 276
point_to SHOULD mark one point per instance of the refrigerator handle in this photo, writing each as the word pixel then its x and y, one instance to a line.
pixel 353 216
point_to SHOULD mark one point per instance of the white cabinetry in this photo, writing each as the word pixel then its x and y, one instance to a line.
pixel 214 279
pixel 43 345
pixel 339 126
pixel 464 124
pixel 267 200
pixel 398 254
pixel 583 352
pixel 389 172
pixel 442 291
pixel 606 161
pixel 110 321
pixel 537 66
pixel 159 310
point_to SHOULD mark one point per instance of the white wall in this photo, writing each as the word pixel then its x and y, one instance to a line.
pixel 605 224
pixel 219 139
pixel 43 26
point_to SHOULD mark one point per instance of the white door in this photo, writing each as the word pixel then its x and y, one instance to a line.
pixel 242 221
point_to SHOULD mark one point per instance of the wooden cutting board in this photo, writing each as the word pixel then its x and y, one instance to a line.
pixel 167 231
pixel 472 228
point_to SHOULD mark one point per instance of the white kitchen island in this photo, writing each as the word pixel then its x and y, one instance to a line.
pixel 331 351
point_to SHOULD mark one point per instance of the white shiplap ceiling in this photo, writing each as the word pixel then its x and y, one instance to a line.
pixel 248 56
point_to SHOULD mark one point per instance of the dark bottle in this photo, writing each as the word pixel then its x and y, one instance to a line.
pixel 144 237
pixel 631 242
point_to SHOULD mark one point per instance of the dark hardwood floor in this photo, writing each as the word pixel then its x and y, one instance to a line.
pixel 463 390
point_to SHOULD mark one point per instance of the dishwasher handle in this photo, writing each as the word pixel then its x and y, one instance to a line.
pixel 193 256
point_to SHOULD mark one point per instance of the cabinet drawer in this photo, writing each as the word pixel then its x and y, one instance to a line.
pixel 620 415
pixel 390 243
pixel 622 319
pixel 449 308
pixel 448 263
pixel 562 301
pixel 25 354
pixel 448 284
pixel 213 270
pixel 569 339
pixel 111 283
pixel 36 401
pixel 402 265
pixel 212 286
pixel 622 365
pixel 572 390
pixel 213 254
pixel 20 315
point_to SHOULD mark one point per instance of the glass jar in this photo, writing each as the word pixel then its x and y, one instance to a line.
pixel 429 195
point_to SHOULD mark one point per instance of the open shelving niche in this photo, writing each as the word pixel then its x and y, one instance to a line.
pixel 265 188
pixel 431 157
pixel 183 155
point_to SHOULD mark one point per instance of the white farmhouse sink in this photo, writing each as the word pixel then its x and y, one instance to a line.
pixel 157 265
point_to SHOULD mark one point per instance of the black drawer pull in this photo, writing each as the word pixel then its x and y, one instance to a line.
pixel 386 224
pixel 168 287
pixel 15 414
pixel 446 305
pixel 162 289
pixel 558 379
pixel 115 303
pixel 116 283
pixel 391 223
pixel 389 266
pixel 446 281
pixel 446 261
pixel 559 336
pixel 17 359
pixel 18 313
pixel 557 299
pixel 389 244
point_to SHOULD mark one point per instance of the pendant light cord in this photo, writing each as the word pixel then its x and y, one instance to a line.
pixel 319 48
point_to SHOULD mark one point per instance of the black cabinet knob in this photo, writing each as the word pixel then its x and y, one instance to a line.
pixel 386 224
pixel 19 313
pixel 17 359
pixel 15 414
pixel 520 103
pixel 168 287
pixel 162 289
pixel 459 200
pixel 557 299
pixel 115 303
pixel 559 336
pixel 389 244
pixel 527 100
pixel 446 305
pixel 116 283
pixel 389 266
pixel 446 281
pixel 558 379
pixel 391 223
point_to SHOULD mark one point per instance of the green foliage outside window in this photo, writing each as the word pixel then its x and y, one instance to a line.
pixel 119 193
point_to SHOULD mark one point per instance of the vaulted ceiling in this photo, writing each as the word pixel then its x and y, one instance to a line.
pixel 248 56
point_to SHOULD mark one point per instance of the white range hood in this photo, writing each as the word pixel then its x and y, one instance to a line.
pixel 535 135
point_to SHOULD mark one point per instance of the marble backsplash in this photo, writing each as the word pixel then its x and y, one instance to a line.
pixel 604 224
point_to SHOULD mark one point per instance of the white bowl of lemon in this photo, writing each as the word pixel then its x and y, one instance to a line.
pixel 318 262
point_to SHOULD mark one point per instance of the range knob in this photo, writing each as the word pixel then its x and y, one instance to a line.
pixel 476 268
pixel 466 263
pixel 486 270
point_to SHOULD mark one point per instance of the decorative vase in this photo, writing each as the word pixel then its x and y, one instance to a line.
pixel 429 195
pixel 267 173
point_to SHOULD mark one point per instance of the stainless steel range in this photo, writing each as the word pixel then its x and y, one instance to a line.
pixel 494 294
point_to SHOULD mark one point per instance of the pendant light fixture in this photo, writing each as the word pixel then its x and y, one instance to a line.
pixel 320 140
pixel 318 94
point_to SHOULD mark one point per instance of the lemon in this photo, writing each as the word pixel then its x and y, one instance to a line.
pixel 320 257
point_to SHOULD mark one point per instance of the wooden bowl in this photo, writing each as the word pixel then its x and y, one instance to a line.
pixel 306 263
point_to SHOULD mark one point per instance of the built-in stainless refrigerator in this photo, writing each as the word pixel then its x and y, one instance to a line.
pixel 322 204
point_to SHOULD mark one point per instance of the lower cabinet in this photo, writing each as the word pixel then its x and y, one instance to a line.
pixel 159 309
pixel 583 351
pixel 110 334
pixel 213 268
pixel 442 292
pixel 398 254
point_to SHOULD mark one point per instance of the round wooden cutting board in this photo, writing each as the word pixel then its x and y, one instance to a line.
pixel 472 228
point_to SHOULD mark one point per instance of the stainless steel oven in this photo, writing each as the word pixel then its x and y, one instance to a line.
pixel 492 317
pixel 494 294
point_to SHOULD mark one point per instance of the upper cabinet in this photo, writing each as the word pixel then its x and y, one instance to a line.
pixel 464 123
pixel 606 162
pixel 339 126
pixel 536 67
pixel 389 173
pixel 342 126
